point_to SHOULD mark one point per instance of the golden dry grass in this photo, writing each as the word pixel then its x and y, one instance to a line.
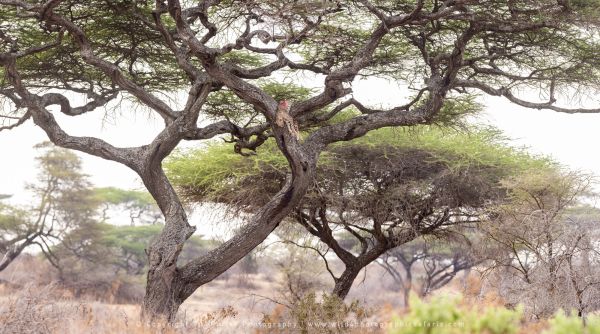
pixel 222 306
pixel 44 310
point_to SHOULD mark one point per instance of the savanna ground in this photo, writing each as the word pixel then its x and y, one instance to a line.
pixel 33 301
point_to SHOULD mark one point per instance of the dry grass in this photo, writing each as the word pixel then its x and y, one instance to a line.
pixel 49 309
pixel 41 306
pixel 222 306
pixel 44 310
pixel 31 301
pixel 52 309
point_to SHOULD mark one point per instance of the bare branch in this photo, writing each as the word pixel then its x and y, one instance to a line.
pixel 505 92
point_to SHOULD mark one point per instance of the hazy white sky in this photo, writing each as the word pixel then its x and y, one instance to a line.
pixel 570 139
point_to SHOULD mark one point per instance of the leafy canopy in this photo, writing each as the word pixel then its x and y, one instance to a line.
pixel 208 173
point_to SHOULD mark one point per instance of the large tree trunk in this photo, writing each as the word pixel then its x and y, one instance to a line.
pixel 168 286
pixel 164 283
pixel 162 301
pixel 345 281
pixel 354 265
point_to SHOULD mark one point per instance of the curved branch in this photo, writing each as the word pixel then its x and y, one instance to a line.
pixel 49 99
pixel 322 255
pixel 20 120
pixel 359 126
pixel 36 107
pixel 110 69
pixel 506 93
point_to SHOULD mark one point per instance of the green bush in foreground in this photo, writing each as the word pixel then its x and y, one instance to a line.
pixel 572 324
pixel 445 315
pixel 449 315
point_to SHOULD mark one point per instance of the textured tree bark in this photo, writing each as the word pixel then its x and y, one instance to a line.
pixel 345 281
pixel 164 282
pixel 163 287
pixel 169 286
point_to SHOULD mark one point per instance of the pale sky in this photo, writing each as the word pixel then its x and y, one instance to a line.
pixel 570 139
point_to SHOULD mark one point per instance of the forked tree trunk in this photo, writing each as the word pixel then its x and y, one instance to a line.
pixel 354 265
pixel 168 286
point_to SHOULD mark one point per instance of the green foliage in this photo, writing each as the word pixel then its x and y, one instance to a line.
pixel 210 172
pixel 63 187
pixel 58 163
pixel 216 169
pixel 552 189
pixel 139 204
pixel 68 200
pixel 116 196
pixel 328 37
pixel 455 109
pixel 13 221
pixel 572 324
pixel 116 33
pixel 322 47
pixel 483 147
pixel 128 240
pixel 589 8
pixel 131 241
pixel 102 246
pixel 225 103
pixel 243 59
pixel 61 203
pixel 123 32
pixel 285 91
pixel 445 315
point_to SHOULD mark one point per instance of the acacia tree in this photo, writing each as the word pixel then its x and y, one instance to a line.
pixel 439 262
pixel 54 53
pixel 17 232
pixel 140 206
pixel 370 196
pixel 97 257
pixel 55 211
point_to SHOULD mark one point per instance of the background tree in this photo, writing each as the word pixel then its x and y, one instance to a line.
pixel 56 53
pixel 109 261
pixel 140 206
pixel 72 228
pixel 16 233
pixel 541 246
pixel 64 202
pixel 302 275
pixel 381 192
pixel 425 265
